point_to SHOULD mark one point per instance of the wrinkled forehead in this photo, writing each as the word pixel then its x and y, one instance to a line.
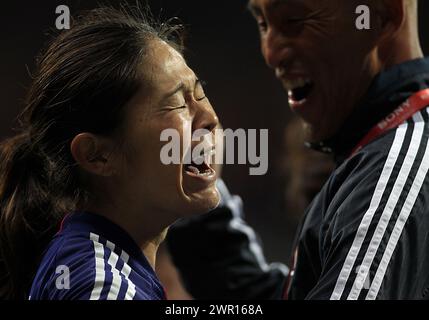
pixel 165 65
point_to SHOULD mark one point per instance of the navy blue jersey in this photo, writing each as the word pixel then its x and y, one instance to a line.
pixel 91 258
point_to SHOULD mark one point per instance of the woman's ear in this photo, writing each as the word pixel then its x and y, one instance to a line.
pixel 94 154
pixel 391 15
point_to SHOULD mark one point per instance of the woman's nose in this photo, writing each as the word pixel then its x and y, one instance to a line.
pixel 205 117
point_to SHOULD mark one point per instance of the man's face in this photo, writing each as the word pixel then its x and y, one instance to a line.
pixel 323 61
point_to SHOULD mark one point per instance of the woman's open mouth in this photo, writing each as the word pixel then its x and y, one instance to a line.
pixel 200 168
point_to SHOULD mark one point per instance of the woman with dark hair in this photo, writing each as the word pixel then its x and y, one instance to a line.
pixel 88 157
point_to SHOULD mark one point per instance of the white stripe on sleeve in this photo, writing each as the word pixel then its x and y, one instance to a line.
pixel 99 268
pixel 369 214
pixel 116 277
pixel 399 225
pixel 397 190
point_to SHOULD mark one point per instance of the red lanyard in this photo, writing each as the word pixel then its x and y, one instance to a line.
pixel 405 111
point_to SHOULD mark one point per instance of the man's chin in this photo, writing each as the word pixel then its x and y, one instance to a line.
pixel 310 133
pixel 314 134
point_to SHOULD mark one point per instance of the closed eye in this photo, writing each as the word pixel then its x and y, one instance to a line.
pixel 171 108
pixel 295 20
pixel 312 16
pixel 199 91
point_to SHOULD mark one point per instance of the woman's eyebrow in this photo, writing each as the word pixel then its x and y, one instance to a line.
pixel 178 88
pixel 181 86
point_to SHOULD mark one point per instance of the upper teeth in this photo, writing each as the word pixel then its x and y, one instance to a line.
pixel 296 83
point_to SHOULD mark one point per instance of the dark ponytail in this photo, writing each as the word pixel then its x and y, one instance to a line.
pixel 28 216
pixel 82 82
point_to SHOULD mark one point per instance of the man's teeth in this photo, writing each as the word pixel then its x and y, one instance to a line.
pixel 296 83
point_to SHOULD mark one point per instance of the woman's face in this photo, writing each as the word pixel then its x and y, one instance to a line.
pixel 171 97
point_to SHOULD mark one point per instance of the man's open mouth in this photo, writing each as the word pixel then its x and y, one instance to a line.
pixel 298 90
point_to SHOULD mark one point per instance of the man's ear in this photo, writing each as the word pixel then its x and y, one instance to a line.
pixel 94 154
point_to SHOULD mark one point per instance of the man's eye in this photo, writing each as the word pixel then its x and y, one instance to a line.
pixel 295 20
pixel 200 99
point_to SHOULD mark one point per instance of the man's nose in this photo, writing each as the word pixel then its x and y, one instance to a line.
pixel 274 48
pixel 205 118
